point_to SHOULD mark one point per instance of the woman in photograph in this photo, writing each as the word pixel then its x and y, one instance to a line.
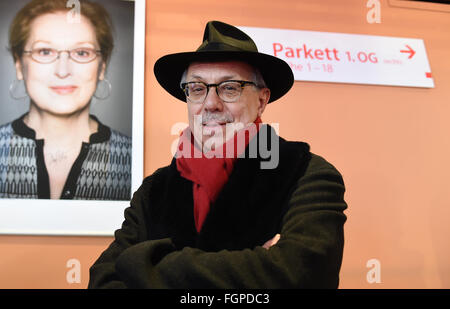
pixel 57 150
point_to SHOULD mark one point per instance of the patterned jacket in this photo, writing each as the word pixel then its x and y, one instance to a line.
pixel 102 170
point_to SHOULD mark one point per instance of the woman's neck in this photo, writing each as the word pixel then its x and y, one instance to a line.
pixel 62 130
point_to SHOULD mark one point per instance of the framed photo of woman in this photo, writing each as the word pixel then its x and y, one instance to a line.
pixel 71 114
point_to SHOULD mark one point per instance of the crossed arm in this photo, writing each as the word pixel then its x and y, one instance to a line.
pixel 306 254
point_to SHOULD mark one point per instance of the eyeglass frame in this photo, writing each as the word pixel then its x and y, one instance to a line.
pixel 242 83
pixel 68 51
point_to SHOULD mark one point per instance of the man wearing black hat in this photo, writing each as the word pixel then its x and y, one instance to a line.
pixel 239 206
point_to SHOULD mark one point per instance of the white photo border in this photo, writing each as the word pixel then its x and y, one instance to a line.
pixel 85 217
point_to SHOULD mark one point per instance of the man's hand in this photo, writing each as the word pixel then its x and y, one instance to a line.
pixel 271 242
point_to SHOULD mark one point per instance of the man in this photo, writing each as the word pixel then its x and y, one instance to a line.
pixel 227 212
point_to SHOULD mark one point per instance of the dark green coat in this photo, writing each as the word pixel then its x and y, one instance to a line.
pixel 302 199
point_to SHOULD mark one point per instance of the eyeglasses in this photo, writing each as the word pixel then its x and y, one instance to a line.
pixel 49 55
pixel 228 91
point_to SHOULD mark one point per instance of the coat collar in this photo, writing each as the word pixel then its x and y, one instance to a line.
pixel 103 133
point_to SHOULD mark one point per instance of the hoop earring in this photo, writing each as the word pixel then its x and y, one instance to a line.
pixel 103 92
pixel 14 86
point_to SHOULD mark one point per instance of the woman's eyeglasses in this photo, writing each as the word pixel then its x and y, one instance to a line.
pixel 49 55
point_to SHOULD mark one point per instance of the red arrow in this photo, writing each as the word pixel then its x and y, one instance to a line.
pixel 410 51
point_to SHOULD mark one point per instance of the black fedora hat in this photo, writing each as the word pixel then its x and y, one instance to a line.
pixel 222 42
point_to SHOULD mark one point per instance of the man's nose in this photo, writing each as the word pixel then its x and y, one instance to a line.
pixel 212 101
pixel 63 65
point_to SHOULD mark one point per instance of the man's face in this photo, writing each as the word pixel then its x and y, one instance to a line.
pixel 208 120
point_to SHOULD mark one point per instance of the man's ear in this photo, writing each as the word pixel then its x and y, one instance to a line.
pixel 264 96
pixel 19 72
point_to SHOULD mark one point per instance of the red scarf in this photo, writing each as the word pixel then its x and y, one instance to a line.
pixel 209 172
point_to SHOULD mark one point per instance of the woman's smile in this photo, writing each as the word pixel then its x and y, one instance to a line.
pixel 64 90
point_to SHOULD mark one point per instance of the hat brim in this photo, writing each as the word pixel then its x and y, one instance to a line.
pixel 277 74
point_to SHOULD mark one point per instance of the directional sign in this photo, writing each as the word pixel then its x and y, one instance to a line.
pixel 347 58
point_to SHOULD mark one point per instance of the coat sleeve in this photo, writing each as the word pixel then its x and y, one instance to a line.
pixel 102 273
pixel 308 254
